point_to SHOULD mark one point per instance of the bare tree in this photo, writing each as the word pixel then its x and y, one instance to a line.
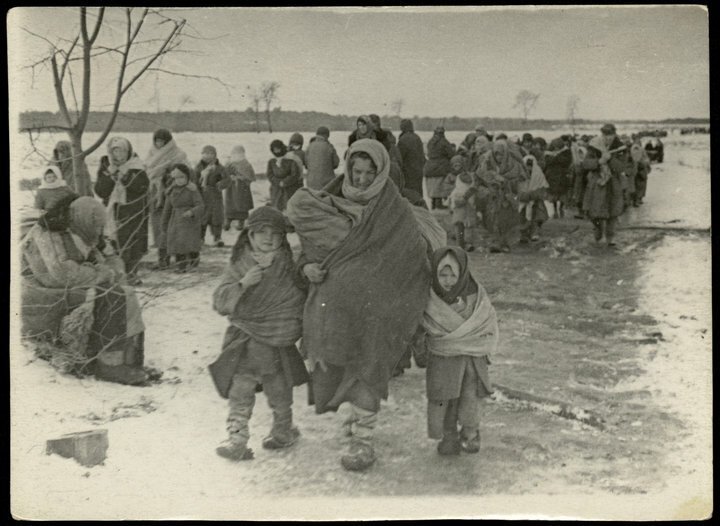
pixel 572 110
pixel 526 101
pixel 396 106
pixel 146 39
pixel 268 92
pixel 255 98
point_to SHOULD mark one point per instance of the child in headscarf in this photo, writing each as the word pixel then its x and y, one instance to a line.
pixel 295 149
pixel 531 195
pixel 212 181
pixel 259 296
pixel 462 201
pixel 182 217
pixel 52 189
pixel 284 175
pixel 238 196
pixel 461 332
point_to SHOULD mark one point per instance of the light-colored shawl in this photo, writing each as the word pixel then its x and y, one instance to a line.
pixel 119 193
pixel 380 157
pixel 59 181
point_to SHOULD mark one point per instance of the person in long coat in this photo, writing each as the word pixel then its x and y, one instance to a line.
pixel 123 185
pixel 558 162
pixel 284 175
pixel 182 218
pixel 440 151
pixel 238 196
pixel 212 181
pixel 322 160
pixel 413 156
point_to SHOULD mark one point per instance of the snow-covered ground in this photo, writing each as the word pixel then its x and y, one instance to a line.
pixel 161 461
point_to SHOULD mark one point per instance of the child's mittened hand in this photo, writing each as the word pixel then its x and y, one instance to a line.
pixel 314 273
pixel 253 277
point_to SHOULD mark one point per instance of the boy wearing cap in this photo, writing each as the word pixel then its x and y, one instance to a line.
pixel 261 300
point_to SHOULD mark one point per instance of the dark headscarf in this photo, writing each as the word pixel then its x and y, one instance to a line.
pixel 406 126
pixel 277 144
pixel 296 138
pixel 465 285
pixel 262 216
pixel 163 135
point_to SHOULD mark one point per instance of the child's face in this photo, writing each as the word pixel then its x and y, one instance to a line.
pixel 50 177
pixel 447 278
pixel 266 238
pixel 119 155
pixel 208 157
pixel 456 167
pixel 362 128
pixel 179 178
pixel 363 173
pixel 277 153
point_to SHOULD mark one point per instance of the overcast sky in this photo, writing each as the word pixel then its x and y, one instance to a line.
pixel 623 63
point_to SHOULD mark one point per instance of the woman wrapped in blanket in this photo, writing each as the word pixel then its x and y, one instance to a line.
pixel 461 332
pixel 365 261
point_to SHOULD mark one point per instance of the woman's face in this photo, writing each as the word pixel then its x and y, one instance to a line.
pixel 362 127
pixel 208 157
pixel 119 154
pixel 266 238
pixel 363 173
pixel 159 143
pixel 50 177
pixel 179 177
pixel 447 278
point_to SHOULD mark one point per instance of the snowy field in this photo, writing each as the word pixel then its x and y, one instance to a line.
pixel 161 461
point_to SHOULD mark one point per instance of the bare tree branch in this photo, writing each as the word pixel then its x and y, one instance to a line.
pixel 191 76
pixel 67 58
pixel 59 92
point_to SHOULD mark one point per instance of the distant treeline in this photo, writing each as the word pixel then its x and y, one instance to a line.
pixel 290 121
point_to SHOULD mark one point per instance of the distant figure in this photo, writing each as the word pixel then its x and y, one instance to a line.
pixel 413 156
pixel 440 151
pixel 183 218
pixel 462 202
pixel 52 189
pixel 558 164
pixel 655 150
pixel 284 175
pixel 531 195
pixel 466 145
pixel 364 129
pixel 238 196
pixel 212 180
pixel 62 158
pixel 322 160
pixel 295 147
pixel 384 135
pixel 640 157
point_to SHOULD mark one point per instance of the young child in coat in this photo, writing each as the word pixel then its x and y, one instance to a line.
pixel 52 190
pixel 462 201
pixel 461 332
pixel 212 180
pixel 182 217
pixel 259 295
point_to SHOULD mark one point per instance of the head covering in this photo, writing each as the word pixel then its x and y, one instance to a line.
pixel 457 259
pixel 364 119
pixel 439 130
pixel 469 140
pixel 557 144
pixel 277 144
pixel 480 130
pixel 63 151
pixel 296 138
pixel 406 126
pixel 119 142
pixel 608 129
pixel 501 137
pixel 323 131
pixel 375 120
pixel 457 159
pixel 527 137
pixel 237 153
pixel 87 219
pixel 380 157
pixel 163 135
pixel 59 181
pixel 209 149
pixel 481 143
pixel 267 216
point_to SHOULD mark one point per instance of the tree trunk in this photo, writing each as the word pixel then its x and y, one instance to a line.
pixel 267 116
pixel 81 176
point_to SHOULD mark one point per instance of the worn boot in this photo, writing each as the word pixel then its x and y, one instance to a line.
pixel 361 454
pixel 450 444
pixel 235 447
pixel 472 444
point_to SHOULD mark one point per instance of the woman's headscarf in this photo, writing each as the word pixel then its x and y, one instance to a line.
pixel 163 135
pixel 237 153
pixel 508 166
pixel 87 219
pixel 439 130
pixel 380 157
pixel 406 126
pixel 370 133
pixel 122 143
pixel 277 144
pixel 457 259
pixel 469 140
pixel 210 149
pixel 59 181
pixel 297 139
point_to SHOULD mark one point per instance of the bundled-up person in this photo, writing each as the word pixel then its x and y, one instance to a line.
pixel 413 156
pixel 481 148
pixel 579 150
pixel 531 195
pixel 603 201
pixel 62 157
pixel 466 146
pixel 238 196
pixel 640 157
pixel 364 129
pixel 385 136
pixel 440 151
pixel 322 159
pixel 295 149
pixel 284 175
pixel 212 181
pixel 264 305
pixel 461 334
pixel 182 218
pixel 462 202
pixel 122 184
pixel 558 163
pixel 163 155
pixel 52 189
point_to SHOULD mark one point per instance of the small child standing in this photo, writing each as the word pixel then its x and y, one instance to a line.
pixel 462 202
pixel 52 190
pixel 238 195
pixel 212 181
pixel 461 332
pixel 264 305
pixel 182 217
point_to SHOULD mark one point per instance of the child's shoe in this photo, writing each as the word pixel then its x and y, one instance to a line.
pixel 235 450
pixel 449 445
pixel 273 442
pixel 359 457
pixel 471 445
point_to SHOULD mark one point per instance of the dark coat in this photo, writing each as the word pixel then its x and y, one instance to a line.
pixel 132 217
pixel 603 201
pixel 285 180
pixel 211 189
pixel 183 233
pixel 238 196
pixel 440 151
pixel 322 159
pixel 557 169
pixel 413 158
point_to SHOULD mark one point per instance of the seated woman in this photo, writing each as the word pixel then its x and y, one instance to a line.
pixel 69 285
pixel 365 258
